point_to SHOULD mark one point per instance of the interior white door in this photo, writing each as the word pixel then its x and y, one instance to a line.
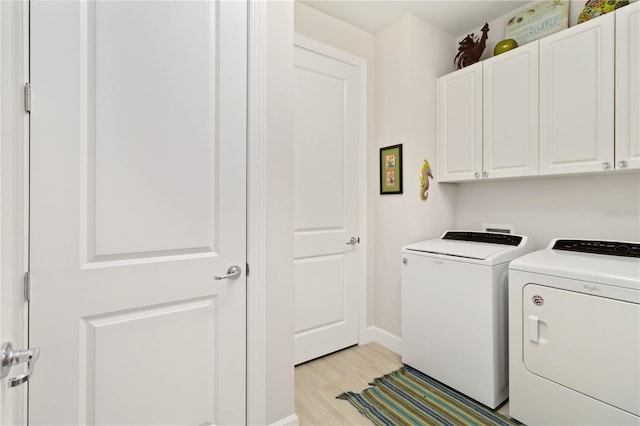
pixel 138 200
pixel 326 204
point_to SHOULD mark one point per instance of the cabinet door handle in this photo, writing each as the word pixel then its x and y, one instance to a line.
pixel 485 174
pixel 606 165
pixel 477 175
pixel 622 164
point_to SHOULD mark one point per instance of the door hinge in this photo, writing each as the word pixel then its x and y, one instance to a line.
pixel 27 287
pixel 247 270
pixel 27 97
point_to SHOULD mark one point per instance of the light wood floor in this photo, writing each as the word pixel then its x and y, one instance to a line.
pixel 318 382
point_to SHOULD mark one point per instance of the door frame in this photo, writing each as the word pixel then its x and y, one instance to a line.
pixel 361 64
pixel 14 195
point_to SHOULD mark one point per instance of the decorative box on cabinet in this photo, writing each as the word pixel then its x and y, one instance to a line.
pixel 627 146
pixel 460 125
pixel 576 98
pixel 510 113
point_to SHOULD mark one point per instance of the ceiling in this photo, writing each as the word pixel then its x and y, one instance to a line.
pixel 453 16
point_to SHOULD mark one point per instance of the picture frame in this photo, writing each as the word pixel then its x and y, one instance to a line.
pixel 391 170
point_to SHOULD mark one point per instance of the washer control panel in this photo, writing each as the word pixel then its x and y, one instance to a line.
pixel 611 248
pixel 483 237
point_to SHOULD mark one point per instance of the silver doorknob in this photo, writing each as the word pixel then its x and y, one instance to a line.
pixel 606 165
pixel 232 273
pixel 485 174
pixel 477 175
pixel 11 358
pixel 622 164
pixel 353 241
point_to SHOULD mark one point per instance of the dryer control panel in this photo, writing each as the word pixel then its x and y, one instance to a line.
pixel 611 248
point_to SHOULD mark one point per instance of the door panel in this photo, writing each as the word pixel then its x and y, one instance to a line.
pixel 131 213
pixel 322 301
pixel 576 98
pixel 510 113
pixel 460 125
pixel 129 86
pixel 108 364
pixel 587 343
pixel 628 87
pixel 138 199
pixel 326 204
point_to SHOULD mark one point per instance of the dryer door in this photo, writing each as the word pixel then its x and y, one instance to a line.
pixel 587 343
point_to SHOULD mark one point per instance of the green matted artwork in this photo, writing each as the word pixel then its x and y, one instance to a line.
pixel 391 170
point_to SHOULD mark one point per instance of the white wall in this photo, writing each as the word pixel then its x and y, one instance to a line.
pixel 601 207
pixel 410 55
pixel 336 33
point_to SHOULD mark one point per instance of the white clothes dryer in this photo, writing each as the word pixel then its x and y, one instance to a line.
pixel 574 334
pixel 454 310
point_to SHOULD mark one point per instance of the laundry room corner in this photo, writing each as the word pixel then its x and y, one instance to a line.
pixel 410 56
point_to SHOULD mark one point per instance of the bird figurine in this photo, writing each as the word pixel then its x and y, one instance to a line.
pixel 470 48
pixel 424 180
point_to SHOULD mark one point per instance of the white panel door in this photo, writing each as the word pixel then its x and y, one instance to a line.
pixel 460 125
pixel 137 201
pixel 326 204
pixel 576 98
pixel 628 87
pixel 510 113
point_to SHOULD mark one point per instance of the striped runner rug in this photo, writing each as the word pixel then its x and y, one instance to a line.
pixel 409 397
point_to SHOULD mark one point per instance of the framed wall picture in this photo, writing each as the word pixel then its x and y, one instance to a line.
pixel 391 170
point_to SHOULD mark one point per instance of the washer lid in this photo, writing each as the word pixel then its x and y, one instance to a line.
pixel 464 249
pixel 619 271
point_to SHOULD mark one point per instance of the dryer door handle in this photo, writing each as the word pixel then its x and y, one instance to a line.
pixel 534 334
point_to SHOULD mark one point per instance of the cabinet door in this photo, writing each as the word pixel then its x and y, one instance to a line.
pixel 460 125
pixel 510 113
pixel 576 98
pixel 628 87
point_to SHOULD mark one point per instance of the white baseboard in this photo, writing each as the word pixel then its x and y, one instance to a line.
pixel 386 339
pixel 292 420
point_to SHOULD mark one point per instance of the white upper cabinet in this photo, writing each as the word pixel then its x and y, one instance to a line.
pixel 577 98
pixel 566 104
pixel 510 113
pixel 628 87
pixel 460 125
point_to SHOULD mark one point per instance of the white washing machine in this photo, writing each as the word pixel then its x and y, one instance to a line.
pixel 574 334
pixel 454 310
